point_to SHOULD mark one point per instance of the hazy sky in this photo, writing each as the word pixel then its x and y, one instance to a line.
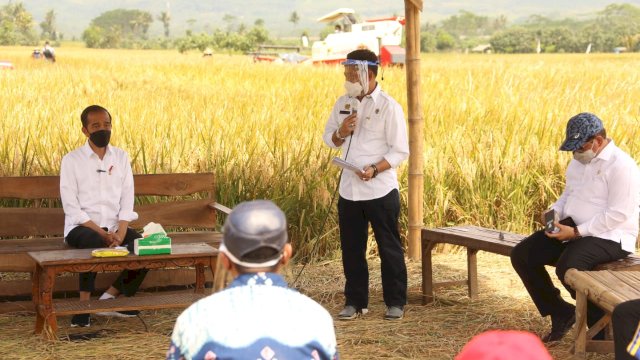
pixel 74 15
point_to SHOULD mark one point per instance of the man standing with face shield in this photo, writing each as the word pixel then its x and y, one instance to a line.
pixel 96 189
pixel 599 212
pixel 369 127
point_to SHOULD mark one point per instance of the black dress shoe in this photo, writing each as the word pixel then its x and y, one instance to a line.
pixel 81 320
pixel 560 325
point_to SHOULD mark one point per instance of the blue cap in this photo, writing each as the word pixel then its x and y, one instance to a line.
pixel 579 129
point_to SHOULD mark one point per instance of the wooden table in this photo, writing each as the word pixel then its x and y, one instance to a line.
pixel 51 263
pixel 606 289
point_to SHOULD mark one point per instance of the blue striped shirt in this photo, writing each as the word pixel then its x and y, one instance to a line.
pixel 256 317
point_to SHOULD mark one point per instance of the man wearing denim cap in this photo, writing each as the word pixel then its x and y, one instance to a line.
pixel 599 212
pixel 257 316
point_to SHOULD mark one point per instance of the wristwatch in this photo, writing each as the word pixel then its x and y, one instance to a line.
pixel 375 170
pixel 576 233
pixel 338 135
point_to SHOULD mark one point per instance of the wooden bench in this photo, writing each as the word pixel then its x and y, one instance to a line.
pixel 474 239
pixel 52 263
pixel 31 219
pixel 606 289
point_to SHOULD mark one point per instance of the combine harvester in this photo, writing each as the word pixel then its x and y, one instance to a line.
pixel 383 36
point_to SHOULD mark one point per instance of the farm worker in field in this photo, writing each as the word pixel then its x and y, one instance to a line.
pixel 257 316
pixel 49 52
pixel 369 127
pixel 96 188
pixel 599 212
pixel 626 330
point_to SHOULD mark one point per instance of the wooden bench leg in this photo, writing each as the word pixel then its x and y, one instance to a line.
pixel 199 279
pixel 46 305
pixel 580 347
pixel 427 272
pixel 472 272
pixel 35 297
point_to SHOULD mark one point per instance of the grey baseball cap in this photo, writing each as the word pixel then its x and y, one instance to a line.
pixel 579 129
pixel 254 225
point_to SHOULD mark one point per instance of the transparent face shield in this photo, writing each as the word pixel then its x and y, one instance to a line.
pixel 356 74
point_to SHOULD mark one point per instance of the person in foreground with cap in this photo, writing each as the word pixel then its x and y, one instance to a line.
pixel 599 212
pixel 369 126
pixel 257 316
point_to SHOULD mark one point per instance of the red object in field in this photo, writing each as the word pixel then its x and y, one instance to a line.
pixel 392 55
pixel 504 345
pixel 399 19
pixel 6 65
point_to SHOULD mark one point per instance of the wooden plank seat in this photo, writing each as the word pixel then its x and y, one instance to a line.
pixel 474 239
pixel 606 289
pixel 155 302
pixel 31 219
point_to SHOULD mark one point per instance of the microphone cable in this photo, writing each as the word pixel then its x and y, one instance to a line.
pixel 324 221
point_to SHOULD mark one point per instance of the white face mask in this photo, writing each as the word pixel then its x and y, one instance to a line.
pixel 353 89
pixel 586 156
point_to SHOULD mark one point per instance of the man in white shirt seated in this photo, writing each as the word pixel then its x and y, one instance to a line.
pixel 96 189
pixel 599 212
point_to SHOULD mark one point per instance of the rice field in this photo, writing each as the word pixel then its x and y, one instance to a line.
pixel 492 126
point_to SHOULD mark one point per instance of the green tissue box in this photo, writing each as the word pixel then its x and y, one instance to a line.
pixel 153 244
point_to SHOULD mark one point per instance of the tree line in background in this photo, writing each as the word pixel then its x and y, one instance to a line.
pixel 615 27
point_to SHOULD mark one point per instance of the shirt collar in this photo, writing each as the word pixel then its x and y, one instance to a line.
pixel 261 278
pixel 607 152
pixel 375 94
pixel 88 151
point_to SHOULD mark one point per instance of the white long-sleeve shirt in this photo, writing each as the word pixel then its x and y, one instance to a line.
pixel 603 196
pixel 97 190
pixel 380 133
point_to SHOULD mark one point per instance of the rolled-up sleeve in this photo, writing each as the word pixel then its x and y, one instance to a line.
pixel 127 195
pixel 69 194
pixel 396 131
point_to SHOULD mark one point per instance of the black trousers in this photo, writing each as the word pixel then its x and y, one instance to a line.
pixel 531 255
pixel 84 238
pixel 625 319
pixel 354 218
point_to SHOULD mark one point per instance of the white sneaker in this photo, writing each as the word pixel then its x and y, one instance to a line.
pixel 122 314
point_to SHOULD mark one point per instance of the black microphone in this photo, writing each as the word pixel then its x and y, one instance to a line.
pixel 101 171
pixel 354 107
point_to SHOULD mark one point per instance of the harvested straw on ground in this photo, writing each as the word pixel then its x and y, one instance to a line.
pixel 436 331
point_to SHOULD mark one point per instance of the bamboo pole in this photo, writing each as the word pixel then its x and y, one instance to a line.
pixel 416 127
